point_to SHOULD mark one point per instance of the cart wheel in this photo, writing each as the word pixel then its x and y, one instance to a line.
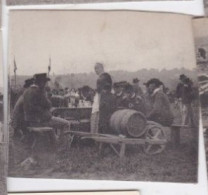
pixel 154 133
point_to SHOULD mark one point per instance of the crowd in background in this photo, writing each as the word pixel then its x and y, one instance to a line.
pixel 34 102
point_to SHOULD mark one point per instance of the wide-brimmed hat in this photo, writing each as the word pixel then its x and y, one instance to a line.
pixel 41 77
pixel 28 82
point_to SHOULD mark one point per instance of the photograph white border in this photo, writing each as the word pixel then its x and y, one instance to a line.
pixel 194 8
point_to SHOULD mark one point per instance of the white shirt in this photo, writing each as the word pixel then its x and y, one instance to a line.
pixel 96 103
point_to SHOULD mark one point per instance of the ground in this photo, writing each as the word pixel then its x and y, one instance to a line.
pixel 83 161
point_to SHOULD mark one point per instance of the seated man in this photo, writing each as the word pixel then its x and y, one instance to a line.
pixel 161 110
pixel 37 105
pixel 118 88
pixel 17 118
pixel 131 100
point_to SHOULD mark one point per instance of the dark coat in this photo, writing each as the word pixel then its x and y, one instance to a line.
pixel 119 99
pixel 106 109
pixel 104 81
pixel 36 105
pixel 161 111
pixel 185 92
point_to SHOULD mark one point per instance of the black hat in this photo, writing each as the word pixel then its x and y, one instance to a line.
pixel 155 81
pixel 42 77
pixel 28 82
pixel 136 80
pixel 182 76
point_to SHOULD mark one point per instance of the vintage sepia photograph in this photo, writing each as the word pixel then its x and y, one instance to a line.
pixel 103 95
pixel 201 44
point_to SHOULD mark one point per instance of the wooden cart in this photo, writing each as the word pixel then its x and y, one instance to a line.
pixel 151 136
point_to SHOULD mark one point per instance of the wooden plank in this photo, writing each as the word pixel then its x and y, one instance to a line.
pixel 40 129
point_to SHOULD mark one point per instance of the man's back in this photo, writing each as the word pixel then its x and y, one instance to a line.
pixel 103 81
pixel 36 105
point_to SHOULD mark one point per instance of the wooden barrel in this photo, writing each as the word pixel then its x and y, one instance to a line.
pixel 128 122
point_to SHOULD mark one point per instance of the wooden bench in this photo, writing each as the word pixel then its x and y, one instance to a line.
pixel 176 133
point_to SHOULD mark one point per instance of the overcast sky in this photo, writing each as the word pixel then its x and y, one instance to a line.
pixel 201 27
pixel 76 40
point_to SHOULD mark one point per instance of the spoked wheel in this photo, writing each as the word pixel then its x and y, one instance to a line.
pixel 155 138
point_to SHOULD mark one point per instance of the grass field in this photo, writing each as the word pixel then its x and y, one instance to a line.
pixel 82 161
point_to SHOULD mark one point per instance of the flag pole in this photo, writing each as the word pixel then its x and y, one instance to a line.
pixel 49 67
pixel 15 75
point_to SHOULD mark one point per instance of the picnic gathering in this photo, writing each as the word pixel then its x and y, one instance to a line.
pixel 114 115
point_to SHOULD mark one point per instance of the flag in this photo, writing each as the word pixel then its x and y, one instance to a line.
pixel 15 66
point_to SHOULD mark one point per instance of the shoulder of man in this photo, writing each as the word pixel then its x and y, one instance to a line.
pixel 30 90
pixel 105 75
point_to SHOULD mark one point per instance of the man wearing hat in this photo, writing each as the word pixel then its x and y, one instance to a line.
pixel 185 95
pixel 17 118
pixel 118 88
pixel 37 105
pixel 132 101
pixel 161 110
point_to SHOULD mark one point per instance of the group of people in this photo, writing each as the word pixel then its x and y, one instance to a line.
pixel 33 107
pixel 154 103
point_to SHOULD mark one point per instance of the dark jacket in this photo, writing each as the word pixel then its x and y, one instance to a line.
pixel 161 111
pixel 119 99
pixel 104 81
pixel 106 109
pixel 185 92
pixel 36 105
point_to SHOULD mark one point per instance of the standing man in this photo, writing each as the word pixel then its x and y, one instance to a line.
pixel 185 95
pixel 103 89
